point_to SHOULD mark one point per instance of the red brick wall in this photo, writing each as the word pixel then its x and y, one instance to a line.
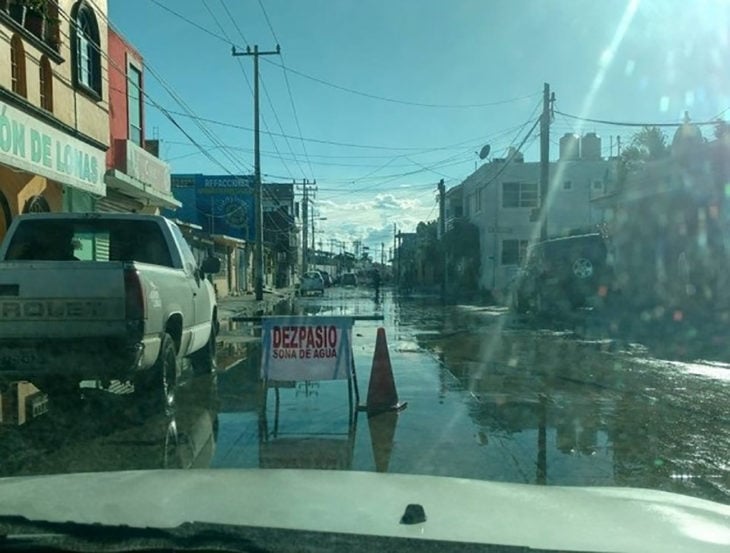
pixel 121 53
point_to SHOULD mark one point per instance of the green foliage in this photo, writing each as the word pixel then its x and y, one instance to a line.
pixel 649 144
pixel 722 130
pixel 464 260
pixel 35 5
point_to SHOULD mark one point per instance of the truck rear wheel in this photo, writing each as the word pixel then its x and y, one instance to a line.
pixel 155 387
pixel 203 360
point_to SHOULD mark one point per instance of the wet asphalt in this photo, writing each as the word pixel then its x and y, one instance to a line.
pixel 490 395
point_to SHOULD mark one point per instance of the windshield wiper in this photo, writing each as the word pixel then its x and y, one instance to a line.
pixel 21 534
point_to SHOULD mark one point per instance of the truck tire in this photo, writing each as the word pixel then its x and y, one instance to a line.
pixel 203 360
pixel 155 387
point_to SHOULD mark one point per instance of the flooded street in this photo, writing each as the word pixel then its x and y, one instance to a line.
pixel 490 396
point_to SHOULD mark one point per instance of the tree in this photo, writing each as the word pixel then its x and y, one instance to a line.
pixel 649 144
pixel 464 256
pixel 722 130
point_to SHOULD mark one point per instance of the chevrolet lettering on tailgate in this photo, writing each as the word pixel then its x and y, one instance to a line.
pixel 52 309
pixel 104 296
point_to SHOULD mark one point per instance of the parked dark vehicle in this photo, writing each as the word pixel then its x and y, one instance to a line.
pixel 564 274
pixel 349 280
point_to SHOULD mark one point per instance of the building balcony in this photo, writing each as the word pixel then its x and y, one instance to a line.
pixel 139 174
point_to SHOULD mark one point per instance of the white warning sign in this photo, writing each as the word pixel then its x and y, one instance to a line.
pixel 306 348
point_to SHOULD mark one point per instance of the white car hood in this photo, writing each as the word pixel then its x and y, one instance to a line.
pixel 572 519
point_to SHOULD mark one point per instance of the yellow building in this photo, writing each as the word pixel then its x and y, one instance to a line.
pixel 54 106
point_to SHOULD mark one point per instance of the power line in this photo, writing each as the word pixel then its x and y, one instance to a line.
pixel 399 101
pixel 233 20
pixel 240 64
pixel 268 22
pixel 189 21
pixel 329 156
pixel 344 88
pixel 151 101
pixel 274 155
pixel 289 91
pixel 632 123
pixel 281 128
pixel 331 142
pixel 508 161
pixel 447 162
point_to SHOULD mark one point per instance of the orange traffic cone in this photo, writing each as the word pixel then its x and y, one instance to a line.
pixel 382 395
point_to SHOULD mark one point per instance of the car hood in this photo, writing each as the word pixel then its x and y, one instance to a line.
pixel 572 519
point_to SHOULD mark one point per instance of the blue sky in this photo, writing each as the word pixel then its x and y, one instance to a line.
pixel 479 65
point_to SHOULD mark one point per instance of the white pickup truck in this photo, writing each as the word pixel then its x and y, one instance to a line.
pixel 99 296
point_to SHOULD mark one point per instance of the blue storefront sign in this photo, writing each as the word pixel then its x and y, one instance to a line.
pixel 221 204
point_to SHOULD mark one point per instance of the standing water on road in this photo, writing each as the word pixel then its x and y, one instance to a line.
pixel 489 398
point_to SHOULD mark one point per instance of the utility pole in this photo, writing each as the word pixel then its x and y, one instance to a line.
pixel 392 257
pixel 257 164
pixel 382 254
pixel 314 249
pixel 305 230
pixel 305 223
pixel 398 256
pixel 442 234
pixel 547 100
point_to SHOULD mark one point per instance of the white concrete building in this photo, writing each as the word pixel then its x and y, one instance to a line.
pixel 502 198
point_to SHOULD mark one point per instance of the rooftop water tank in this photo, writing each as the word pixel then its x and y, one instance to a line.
pixel 569 147
pixel 590 147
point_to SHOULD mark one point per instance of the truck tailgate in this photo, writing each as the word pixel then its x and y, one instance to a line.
pixel 52 299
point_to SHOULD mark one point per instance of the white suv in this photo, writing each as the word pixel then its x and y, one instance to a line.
pixel 311 283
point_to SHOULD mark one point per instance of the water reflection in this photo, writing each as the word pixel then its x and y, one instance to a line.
pixel 103 430
pixel 306 424
pixel 633 423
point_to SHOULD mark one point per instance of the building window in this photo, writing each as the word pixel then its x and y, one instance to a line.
pixel 519 194
pixel 17 66
pixel 46 84
pixel 567 185
pixel 39 19
pixel 16 10
pixel 86 48
pixel 478 204
pixel 597 185
pixel 134 104
pixel 513 251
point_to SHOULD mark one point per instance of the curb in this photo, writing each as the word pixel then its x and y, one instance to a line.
pixel 252 307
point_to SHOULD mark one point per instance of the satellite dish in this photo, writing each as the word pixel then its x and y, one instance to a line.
pixel 485 152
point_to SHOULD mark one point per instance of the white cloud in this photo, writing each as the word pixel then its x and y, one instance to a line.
pixel 371 219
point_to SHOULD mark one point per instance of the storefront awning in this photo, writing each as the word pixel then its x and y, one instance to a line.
pixel 227 240
pixel 139 190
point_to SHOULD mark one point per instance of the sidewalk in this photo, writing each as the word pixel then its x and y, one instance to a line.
pixel 247 306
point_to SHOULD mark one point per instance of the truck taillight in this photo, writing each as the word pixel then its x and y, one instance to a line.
pixel 134 298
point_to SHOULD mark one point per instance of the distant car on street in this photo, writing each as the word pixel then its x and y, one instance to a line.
pixel 311 283
pixel 349 280
pixel 564 274
pixel 327 278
